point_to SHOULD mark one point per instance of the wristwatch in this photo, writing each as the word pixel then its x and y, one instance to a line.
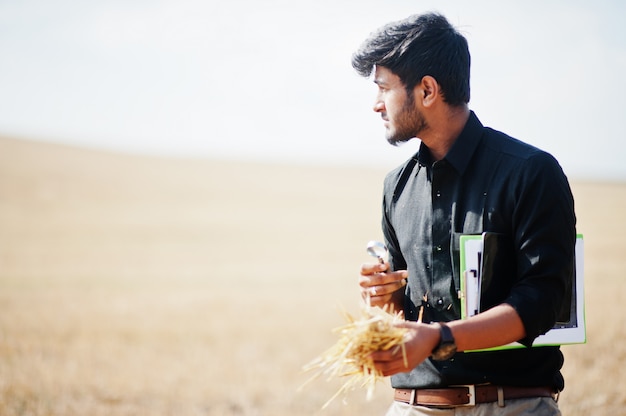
pixel 447 347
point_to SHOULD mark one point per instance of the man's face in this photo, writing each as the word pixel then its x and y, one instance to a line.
pixel 403 120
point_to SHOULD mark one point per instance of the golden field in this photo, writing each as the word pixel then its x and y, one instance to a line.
pixel 149 286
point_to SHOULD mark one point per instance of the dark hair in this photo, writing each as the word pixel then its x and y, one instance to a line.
pixel 418 46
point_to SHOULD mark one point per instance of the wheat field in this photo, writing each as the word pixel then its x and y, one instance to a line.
pixel 150 286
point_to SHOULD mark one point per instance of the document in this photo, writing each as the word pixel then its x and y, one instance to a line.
pixel 483 256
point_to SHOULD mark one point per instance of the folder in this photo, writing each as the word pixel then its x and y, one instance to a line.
pixel 483 256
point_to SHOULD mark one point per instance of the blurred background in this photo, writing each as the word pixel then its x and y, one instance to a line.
pixel 272 80
pixel 187 189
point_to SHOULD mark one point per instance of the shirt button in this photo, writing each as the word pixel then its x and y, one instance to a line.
pixel 438 248
pixel 438 194
pixel 440 302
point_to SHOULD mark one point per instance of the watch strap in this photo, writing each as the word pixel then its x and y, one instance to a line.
pixel 447 346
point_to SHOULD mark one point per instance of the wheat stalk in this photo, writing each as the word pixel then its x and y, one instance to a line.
pixel 351 356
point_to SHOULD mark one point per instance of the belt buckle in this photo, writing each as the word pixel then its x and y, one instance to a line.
pixel 471 394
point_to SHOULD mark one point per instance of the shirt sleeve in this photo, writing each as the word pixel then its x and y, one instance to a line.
pixel 396 259
pixel 544 239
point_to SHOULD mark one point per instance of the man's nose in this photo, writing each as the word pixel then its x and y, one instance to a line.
pixel 379 106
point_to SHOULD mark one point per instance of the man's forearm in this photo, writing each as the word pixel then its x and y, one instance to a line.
pixel 497 326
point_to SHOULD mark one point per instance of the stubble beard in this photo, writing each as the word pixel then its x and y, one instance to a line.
pixel 407 124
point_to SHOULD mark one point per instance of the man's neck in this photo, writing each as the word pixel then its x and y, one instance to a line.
pixel 444 129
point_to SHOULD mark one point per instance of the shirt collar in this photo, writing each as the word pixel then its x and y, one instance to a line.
pixel 461 152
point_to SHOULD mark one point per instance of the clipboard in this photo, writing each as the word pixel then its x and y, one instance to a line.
pixel 485 255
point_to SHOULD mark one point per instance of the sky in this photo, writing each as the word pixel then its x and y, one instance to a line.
pixel 271 80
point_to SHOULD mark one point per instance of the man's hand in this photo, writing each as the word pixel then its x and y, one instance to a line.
pixel 420 341
pixel 382 287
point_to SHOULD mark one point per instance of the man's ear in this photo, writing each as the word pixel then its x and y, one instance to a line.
pixel 429 89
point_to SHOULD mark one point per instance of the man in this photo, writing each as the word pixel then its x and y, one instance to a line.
pixel 465 179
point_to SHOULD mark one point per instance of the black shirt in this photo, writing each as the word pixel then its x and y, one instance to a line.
pixel 488 181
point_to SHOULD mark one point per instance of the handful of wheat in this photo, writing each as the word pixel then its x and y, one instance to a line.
pixel 350 356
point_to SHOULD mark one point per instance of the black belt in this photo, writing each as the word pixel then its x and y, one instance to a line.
pixel 469 395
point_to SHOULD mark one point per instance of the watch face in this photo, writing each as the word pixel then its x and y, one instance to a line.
pixel 448 349
pixel 444 352
pixel 447 346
